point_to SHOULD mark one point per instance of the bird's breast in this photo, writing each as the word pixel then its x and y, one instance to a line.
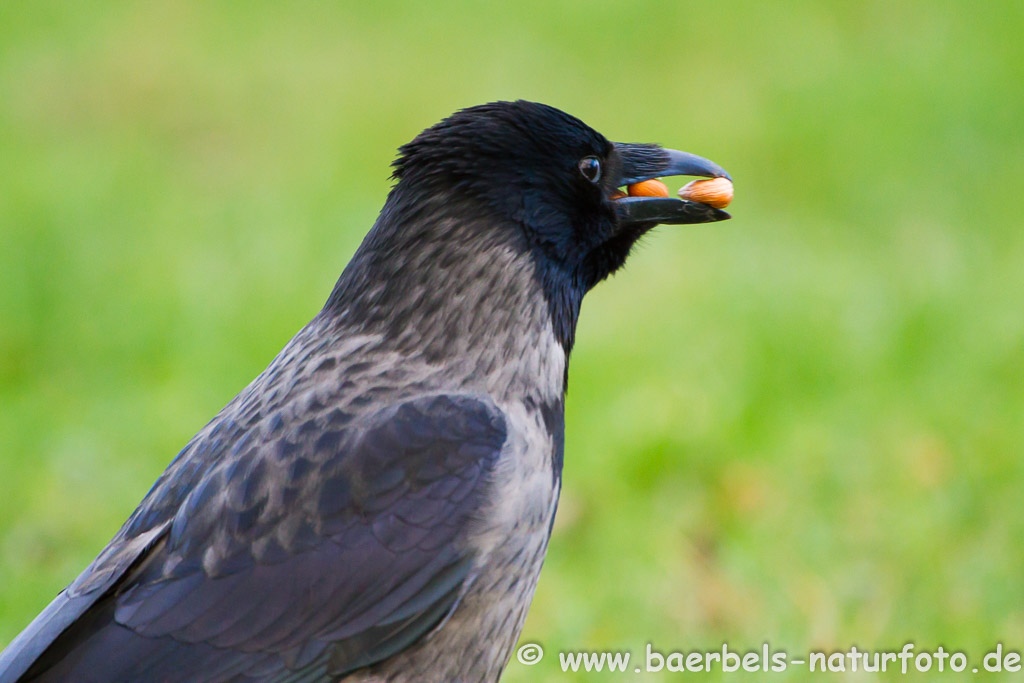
pixel 512 534
pixel 510 540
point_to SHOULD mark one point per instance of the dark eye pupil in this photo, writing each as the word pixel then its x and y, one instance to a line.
pixel 590 167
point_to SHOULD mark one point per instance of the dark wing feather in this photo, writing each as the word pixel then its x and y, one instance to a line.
pixel 316 553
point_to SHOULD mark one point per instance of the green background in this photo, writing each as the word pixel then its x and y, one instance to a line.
pixel 801 426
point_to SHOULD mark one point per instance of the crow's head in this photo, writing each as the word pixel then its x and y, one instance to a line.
pixel 548 174
pixel 485 191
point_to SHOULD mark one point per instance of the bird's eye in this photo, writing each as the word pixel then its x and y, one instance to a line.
pixel 590 167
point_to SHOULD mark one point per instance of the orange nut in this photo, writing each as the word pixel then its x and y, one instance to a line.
pixel 716 192
pixel 648 188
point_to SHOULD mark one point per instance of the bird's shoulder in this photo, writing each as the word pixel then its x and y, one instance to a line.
pixel 351 534
pixel 280 485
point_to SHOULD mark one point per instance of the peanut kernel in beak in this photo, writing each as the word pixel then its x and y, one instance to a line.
pixel 648 188
pixel 715 192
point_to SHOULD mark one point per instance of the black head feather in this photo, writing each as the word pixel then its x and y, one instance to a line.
pixel 521 159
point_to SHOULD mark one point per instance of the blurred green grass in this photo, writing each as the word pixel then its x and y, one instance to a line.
pixel 802 426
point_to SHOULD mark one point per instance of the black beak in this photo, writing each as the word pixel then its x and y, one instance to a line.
pixel 643 162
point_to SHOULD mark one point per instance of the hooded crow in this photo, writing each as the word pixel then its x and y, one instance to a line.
pixel 376 504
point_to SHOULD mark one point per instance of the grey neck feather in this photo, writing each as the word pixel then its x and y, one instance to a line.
pixel 452 293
